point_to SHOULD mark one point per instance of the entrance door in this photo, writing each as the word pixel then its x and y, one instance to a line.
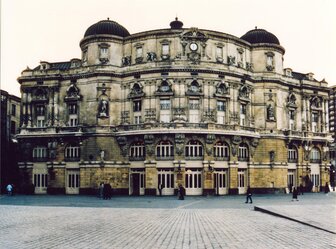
pixel 137 183
pixel 40 183
pixel 166 177
pixel 242 181
pixel 220 182
pixel 291 178
pixel 72 183
pixel 193 182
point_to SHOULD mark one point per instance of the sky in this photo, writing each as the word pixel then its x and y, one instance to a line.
pixel 41 30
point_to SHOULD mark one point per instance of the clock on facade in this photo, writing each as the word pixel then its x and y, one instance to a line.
pixel 193 46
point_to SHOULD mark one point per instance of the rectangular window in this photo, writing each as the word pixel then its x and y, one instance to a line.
pixel 165 49
pixel 40 180
pixel 165 106
pixel 13 127
pixel 40 121
pixel 137 106
pixel 137 118
pixel 139 52
pixel 243 109
pixel 220 106
pixel 13 110
pixel 72 152
pixel 219 52
pixel 194 104
pixel 40 152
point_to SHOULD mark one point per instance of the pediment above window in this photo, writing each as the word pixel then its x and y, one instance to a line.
pixel 222 89
pixel 194 88
pixel 194 34
pixel 165 89
pixel 72 93
pixel 136 91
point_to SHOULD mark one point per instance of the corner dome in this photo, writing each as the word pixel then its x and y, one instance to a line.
pixel 176 24
pixel 107 27
pixel 260 36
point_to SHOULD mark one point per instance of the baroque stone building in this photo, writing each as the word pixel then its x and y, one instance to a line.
pixel 205 109
pixel 10 122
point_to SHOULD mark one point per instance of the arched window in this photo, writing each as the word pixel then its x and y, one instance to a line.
pixel 243 153
pixel 315 155
pixel 165 150
pixel 194 149
pixel 221 151
pixel 137 151
pixel 72 152
pixel 292 154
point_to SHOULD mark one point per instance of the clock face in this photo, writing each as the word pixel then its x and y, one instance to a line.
pixel 193 46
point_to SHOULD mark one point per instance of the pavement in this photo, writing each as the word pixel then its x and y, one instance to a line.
pixel 44 221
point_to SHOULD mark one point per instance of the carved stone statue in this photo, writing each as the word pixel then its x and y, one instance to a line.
pixel 102 155
pixel 103 110
pixel 270 112
pixel 126 61
pixel 151 56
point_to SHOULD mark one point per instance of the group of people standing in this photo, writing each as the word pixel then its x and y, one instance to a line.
pixel 105 191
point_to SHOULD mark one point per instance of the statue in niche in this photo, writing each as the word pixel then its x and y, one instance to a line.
pixel 151 56
pixel 126 61
pixel 103 110
pixel 270 112
pixel 102 155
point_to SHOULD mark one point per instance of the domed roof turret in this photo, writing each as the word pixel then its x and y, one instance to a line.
pixel 176 24
pixel 107 27
pixel 260 36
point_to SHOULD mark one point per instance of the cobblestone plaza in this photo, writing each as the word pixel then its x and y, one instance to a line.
pixel 154 222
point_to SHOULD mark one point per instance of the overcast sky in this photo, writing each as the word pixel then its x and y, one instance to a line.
pixel 35 30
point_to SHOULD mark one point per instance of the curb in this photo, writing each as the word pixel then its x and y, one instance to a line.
pixel 289 218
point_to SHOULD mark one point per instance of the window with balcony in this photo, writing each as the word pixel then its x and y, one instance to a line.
pixel 73 114
pixel 292 154
pixel 243 153
pixel 137 111
pixel 315 155
pixel 194 110
pixel 243 114
pixel 72 152
pixel 291 119
pixel 137 151
pixel 39 153
pixel 40 116
pixel 165 110
pixel 194 150
pixel 165 150
pixel 221 108
pixel 221 151
pixel 314 122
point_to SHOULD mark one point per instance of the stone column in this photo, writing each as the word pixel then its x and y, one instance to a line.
pixel 24 110
pixel 50 109
pixel 29 110
pixel 56 110
pixel 233 178
pixel 308 114
pixel 323 116
pixel 326 116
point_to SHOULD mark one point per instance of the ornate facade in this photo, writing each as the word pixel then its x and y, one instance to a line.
pixel 208 110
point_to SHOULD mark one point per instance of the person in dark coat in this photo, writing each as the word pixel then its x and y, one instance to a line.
pixel 248 195
pixel 107 191
pixel 326 188
pixel 295 194
pixel 160 189
pixel 181 192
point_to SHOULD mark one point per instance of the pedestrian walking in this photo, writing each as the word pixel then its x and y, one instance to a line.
pixel 160 189
pixel 248 195
pixel 295 194
pixel 326 188
pixel 181 192
pixel 301 190
pixel 9 189
pixel 101 190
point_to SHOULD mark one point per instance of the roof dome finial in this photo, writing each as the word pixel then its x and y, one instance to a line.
pixel 176 24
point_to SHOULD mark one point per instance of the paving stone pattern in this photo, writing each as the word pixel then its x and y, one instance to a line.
pixel 86 227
